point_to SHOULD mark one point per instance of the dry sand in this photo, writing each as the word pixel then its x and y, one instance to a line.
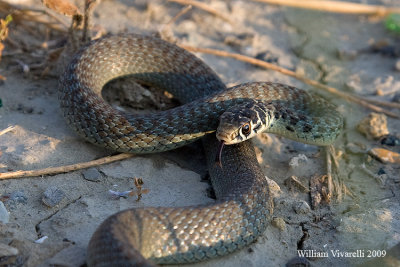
pixel 307 42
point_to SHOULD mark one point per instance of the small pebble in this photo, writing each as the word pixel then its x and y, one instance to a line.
pixel 381 171
pixel 52 196
pixel 397 66
pixel 273 187
pixel 91 174
pixel 19 197
pixel 7 251
pixel 279 223
pixel 390 140
pixel 385 156
pixel 267 56
pixel 301 147
pixel 355 148
pixel 299 159
pixel 301 207
pixel 293 182
pixel 239 40
pixel 374 126
pixel 24 109
pixel 41 240
pixel 4 214
pixel 354 83
pixel 347 54
pixel 396 98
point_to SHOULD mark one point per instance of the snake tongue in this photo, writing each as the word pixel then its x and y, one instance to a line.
pixel 218 158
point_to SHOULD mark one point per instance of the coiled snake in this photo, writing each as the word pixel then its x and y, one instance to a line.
pixel 147 236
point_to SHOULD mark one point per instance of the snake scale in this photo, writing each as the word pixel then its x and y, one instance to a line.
pixel 148 236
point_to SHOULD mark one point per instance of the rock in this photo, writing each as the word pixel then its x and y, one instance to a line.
pixel 91 174
pixel 273 187
pixel 354 83
pixel 396 98
pixel 355 148
pixel 41 240
pixel 347 54
pixel 279 223
pixel 301 147
pixel 390 140
pixel 384 155
pixel 374 126
pixel 397 65
pixel 301 207
pixel 239 41
pixel 293 182
pixel 4 214
pixel 7 251
pixel 267 56
pixel 52 196
pixel 297 160
pixel 19 197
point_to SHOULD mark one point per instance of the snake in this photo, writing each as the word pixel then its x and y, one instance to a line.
pixel 148 236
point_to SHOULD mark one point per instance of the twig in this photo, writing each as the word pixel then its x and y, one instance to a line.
pixel 379 178
pixel 89 5
pixel 180 14
pixel 63 169
pixel 336 6
pixel 204 7
pixel 24 14
pixel 348 192
pixel 6 130
pixel 165 29
pixel 270 66
pixel 382 103
pixel 45 12
pixel 339 187
pixel 329 169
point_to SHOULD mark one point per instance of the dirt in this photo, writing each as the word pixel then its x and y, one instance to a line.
pixel 362 216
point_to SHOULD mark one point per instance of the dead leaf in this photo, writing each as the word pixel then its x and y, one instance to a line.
pixel 63 7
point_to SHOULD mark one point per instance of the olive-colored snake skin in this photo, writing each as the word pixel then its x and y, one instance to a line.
pixel 147 236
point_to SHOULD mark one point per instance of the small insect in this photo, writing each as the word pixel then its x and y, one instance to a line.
pixel 139 190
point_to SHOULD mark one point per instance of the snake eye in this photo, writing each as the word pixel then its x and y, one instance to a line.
pixel 246 129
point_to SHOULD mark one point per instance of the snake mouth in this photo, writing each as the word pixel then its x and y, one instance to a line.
pixel 218 158
pixel 225 137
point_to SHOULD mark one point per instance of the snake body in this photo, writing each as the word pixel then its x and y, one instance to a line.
pixel 147 236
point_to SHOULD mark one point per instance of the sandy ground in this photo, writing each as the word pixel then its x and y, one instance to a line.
pixel 305 41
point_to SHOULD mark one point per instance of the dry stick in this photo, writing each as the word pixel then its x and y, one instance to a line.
pixel 89 5
pixel 332 184
pixel 180 14
pixel 204 7
pixel 270 66
pixel 335 6
pixel 6 130
pixel 34 18
pixel 166 27
pixel 329 169
pixel 382 103
pixel 62 169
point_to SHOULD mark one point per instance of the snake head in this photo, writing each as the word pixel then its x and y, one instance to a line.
pixel 243 122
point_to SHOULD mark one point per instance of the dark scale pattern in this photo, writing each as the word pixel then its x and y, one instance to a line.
pixel 187 234
pixel 287 111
